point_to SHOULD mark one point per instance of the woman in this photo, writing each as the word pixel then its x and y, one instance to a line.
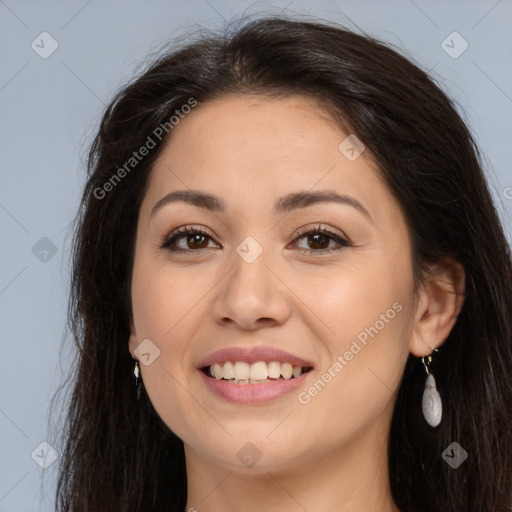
pixel 305 279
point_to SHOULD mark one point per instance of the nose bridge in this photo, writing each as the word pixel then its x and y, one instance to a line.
pixel 250 276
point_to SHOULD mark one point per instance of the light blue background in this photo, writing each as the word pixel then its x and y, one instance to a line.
pixel 50 109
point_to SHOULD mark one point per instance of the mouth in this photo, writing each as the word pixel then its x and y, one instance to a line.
pixel 260 372
pixel 253 375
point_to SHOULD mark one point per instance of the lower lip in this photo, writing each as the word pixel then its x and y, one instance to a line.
pixel 253 393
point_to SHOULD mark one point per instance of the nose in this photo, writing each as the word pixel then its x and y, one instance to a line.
pixel 251 295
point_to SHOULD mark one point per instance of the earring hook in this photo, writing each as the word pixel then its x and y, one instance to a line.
pixel 429 359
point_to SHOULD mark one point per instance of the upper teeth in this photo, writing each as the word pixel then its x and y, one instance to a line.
pixel 256 371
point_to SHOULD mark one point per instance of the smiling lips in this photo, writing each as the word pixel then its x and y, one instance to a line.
pixel 270 373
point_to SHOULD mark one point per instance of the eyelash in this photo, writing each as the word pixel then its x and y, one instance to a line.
pixel 181 232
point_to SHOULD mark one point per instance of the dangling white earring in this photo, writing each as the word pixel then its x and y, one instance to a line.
pixel 431 403
pixel 138 380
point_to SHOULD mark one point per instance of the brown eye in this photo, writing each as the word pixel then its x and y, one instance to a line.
pixel 319 240
pixel 197 240
pixel 194 239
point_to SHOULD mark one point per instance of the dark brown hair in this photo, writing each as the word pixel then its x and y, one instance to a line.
pixel 117 453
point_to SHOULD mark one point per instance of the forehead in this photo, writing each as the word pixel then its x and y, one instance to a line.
pixel 239 129
pixel 252 150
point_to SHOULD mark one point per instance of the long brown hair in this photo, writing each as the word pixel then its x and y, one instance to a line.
pixel 117 454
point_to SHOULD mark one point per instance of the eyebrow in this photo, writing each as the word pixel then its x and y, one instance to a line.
pixel 292 201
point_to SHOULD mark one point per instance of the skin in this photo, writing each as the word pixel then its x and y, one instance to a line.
pixel 328 454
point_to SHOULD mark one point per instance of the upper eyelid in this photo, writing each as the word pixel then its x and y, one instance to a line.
pixel 300 232
pixel 319 227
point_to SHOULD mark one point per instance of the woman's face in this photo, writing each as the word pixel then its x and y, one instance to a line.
pixel 257 284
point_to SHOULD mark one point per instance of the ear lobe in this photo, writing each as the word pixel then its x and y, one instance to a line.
pixel 132 341
pixel 441 298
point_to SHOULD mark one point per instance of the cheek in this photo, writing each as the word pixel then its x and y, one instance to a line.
pixel 351 297
pixel 365 313
pixel 160 302
pixel 161 299
pixel 163 295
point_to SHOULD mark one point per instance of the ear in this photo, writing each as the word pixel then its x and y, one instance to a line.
pixel 132 341
pixel 440 300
